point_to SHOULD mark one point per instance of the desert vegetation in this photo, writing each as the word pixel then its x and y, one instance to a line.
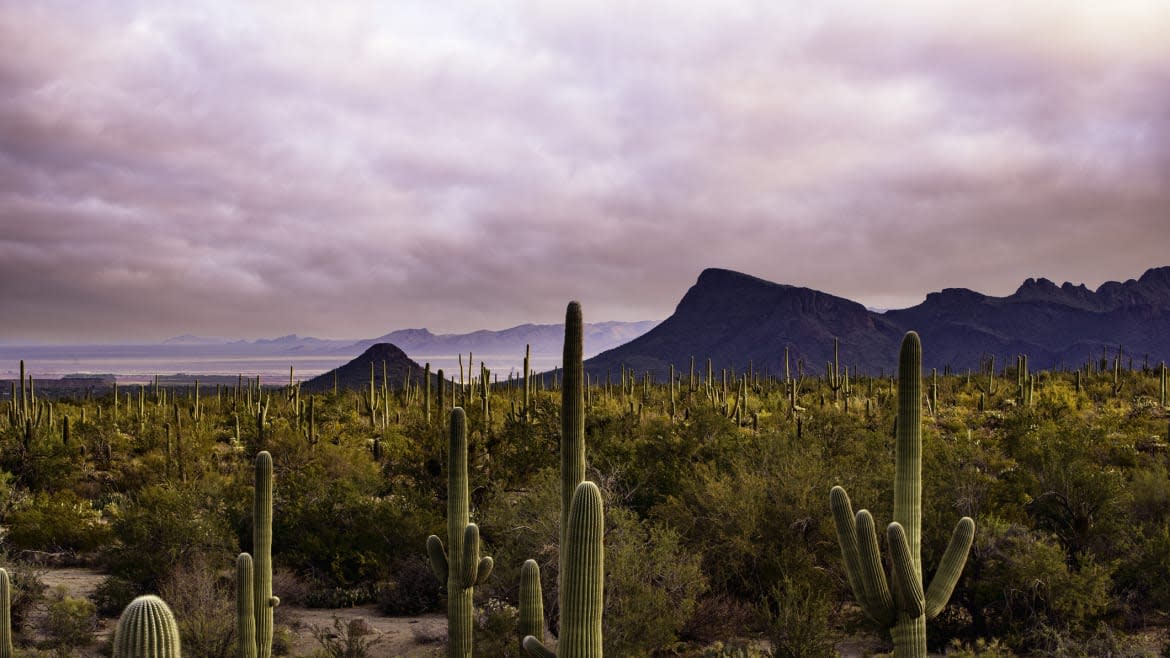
pixel 685 517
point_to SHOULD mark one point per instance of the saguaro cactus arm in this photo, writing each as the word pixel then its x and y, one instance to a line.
pixel 437 558
pixel 951 566
pixel 907 584
pixel 863 567
pixel 475 570
pixel 534 648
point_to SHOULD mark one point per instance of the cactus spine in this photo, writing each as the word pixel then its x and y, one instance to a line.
pixel 147 629
pixel 907 608
pixel 460 566
pixel 254 626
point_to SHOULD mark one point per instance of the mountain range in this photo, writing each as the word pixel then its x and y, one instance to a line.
pixel 736 319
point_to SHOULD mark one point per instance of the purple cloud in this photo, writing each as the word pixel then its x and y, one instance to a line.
pixel 261 169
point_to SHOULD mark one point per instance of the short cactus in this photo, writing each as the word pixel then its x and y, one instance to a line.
pixel 147 629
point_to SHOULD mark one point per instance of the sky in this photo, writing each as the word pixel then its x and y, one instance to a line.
pixel 344 169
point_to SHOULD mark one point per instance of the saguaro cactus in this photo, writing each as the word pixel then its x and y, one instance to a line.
pixel 583 582
pixel 582 522
pixel 254 599
pixel 6 615
pixel 907 608
pixel 531 602
pixel 572 419
pixel 147 629
pixel 460 566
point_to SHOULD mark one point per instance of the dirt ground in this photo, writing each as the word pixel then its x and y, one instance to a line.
pixel 400 637
pixel 416 637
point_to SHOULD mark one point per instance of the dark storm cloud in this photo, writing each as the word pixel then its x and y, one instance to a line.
pixel 262 168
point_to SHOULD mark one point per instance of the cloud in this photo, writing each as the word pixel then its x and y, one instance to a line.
pixel 263 168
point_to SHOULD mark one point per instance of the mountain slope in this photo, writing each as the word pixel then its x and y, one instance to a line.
pixel 734 318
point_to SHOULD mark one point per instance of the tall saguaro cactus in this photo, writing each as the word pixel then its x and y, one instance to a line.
pixel 460 566
pixel 582 572
pixel 907 607
pixel 572 420
pixel 254 599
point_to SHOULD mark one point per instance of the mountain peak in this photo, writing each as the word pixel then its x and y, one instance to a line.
pixel 386 358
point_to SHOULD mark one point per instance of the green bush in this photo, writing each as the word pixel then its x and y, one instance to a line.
pixel 1025 585
pixel 69 623
pixel 497 627
pixel 165 525
pixel 651 584
pixel 412 589
pixel 56 522
pixel 113 594
pixel 798 620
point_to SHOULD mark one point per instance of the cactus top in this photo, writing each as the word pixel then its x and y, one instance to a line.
pixel 147 629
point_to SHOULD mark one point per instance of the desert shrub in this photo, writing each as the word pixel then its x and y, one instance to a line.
pixel 69 623
pixel 291 588
pixel 204 607
pixel 651 585
pixel 717 617
pixel 56 522
pixel 411 589
pixel 113 594
pixel 27 590
pixel 798 619
pixel 165 525
pixel 1142 577
pixel 1150 490
pixel 333 523
pixel 352 639
pixel 497 630
pixel 1024 583
pixel 979 648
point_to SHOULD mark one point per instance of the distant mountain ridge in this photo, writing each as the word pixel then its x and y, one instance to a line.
pixel 735 318
pixel 545 339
